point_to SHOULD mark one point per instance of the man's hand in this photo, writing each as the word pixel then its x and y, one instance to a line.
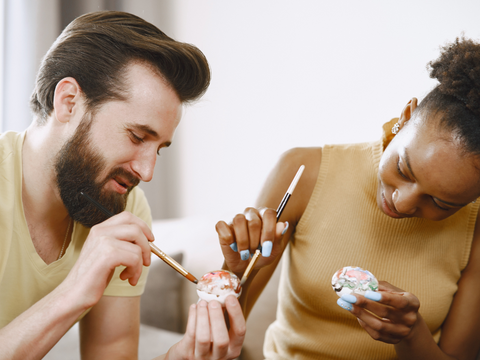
pixel 121 240
pixel 207 336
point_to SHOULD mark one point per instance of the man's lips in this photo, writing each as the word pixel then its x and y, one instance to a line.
pixel 118 187
pixel 388 210
pixel 125 183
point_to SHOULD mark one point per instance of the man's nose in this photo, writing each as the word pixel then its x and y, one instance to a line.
pixel 144 166
pixel 405 200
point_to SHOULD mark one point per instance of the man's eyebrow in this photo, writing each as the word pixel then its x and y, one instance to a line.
pixel 145 128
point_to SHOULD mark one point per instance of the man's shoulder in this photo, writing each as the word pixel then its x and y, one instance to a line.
pixel 8 143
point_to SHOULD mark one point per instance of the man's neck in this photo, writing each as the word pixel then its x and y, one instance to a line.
pixel 40 195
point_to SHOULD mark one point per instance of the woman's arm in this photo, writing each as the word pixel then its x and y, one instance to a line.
pixel 462 325
pixel 251 228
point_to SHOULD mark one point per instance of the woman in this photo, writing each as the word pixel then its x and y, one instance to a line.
pixel 403 208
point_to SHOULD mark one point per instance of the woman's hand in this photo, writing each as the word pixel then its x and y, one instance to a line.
pixel 207 336
pixel 392 313
pixel 246 233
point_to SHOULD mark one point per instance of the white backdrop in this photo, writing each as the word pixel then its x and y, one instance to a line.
pixel 299 73
pixel 285 74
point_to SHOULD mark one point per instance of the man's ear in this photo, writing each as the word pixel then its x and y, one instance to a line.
pixel 67 99
pixel 407 112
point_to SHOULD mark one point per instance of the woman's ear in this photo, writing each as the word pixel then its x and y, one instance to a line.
pixel 66 99
pixel 407 112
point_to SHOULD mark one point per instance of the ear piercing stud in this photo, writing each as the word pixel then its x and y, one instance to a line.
pixel 395 128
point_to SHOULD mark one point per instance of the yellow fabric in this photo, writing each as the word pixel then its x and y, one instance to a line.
pixel 24 276
pixel 342 226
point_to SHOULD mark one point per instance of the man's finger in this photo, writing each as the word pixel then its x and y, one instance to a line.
pixel 219 330
pixel 237 324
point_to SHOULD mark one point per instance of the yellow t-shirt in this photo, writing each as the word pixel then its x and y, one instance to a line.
pixel 343 226
pixel 24 276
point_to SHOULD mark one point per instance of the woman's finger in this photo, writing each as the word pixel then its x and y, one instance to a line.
pixel 242 238
pixel 226 235
pixel 255 225
pixel 382 330
pixel 269 220
pixel 382 309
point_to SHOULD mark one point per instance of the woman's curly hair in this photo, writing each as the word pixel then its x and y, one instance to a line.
pixel 457 96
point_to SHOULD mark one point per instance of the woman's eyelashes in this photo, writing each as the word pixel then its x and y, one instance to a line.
pixel 408 179
pixel 438 206
pixel 400 171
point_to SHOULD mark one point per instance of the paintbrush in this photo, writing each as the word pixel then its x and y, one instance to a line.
pixel 175 265
pixel 280 208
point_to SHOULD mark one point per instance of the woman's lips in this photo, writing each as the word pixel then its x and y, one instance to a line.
pixel 387 210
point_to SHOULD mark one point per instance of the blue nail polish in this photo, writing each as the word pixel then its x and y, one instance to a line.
pixel 234 246
pixel 267 248
pixel 244 254
pixel 345 305
pixel 373 295
pixel 349 298
pixel 286 227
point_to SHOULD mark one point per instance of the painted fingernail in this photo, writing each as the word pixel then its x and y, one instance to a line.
pixel 234 246
pixel 286 227
pixel 345 305
pixel 267 248
pixel 349 298
pixel 373 295
pixel 244 254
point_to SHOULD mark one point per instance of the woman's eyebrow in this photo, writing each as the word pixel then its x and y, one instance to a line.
pixel 407 161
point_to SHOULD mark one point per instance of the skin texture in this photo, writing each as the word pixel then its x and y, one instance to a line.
pixel 128 134
pixel 440 174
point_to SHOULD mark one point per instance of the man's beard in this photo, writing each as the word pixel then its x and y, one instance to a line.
pixel 77 166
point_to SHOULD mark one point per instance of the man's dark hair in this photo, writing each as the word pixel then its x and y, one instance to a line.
pixel 456 99
pixel 96 48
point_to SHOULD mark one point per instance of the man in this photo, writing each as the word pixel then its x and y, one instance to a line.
pixel 108 98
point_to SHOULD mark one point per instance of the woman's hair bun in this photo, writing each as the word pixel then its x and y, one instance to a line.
pixel 458 71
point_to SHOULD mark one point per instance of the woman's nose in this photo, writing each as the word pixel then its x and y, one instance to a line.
pixel 405 201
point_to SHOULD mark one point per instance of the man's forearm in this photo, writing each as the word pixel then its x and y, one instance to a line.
pixel 33 333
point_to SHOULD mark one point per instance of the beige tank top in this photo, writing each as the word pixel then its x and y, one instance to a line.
pixel 342 226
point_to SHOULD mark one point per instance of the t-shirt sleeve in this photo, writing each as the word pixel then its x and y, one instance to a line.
pixel 136 204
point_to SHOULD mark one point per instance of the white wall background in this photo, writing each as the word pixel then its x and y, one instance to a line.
pixel 299 73
pixel 286 74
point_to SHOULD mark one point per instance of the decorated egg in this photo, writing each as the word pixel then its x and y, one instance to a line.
pixel 350 279
pixel 217 285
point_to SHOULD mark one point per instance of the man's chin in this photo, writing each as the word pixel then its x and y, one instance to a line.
pixel 89 215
